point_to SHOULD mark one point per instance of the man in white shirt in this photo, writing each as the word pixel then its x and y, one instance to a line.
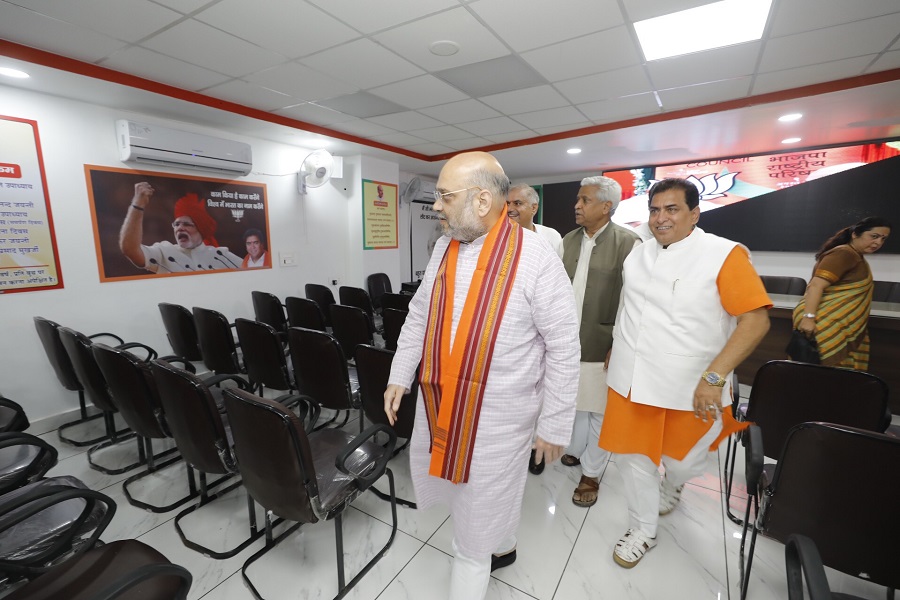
pixel 521 206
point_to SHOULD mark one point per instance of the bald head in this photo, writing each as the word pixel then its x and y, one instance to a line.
pixel 474 189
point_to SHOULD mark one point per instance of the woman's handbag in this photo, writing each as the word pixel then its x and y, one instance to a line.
pixel 803 349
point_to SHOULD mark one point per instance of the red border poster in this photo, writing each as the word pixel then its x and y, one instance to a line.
pixel 29 260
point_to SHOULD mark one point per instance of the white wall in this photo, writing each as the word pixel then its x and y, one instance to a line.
pixel 320 229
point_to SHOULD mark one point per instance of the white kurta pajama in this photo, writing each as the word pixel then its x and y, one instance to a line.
pixel 533 377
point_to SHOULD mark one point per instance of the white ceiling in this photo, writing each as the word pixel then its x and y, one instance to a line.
pixel 525 69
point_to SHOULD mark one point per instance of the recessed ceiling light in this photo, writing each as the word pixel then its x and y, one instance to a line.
pixel 444 48
pixel 14 73
pixel 790 117
pixel 574 150
pixel 711 26
pixel 790 140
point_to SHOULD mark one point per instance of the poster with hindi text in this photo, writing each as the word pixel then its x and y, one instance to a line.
pixel 379 215
pixel 28 255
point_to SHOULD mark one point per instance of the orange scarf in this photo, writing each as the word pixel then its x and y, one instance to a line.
pixel 453 379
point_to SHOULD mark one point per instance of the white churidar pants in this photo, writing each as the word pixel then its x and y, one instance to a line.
pixel 469 577
pixel 585 434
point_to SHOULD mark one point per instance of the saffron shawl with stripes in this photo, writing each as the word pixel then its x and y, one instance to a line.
pixel 453 379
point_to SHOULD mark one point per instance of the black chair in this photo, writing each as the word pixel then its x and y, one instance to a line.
pixel 24 458
pixel 203 437
pixel 181 331
pixel 886 291
pixel 791 286
pixel 122 569
pixel 303 312
pixel 48 332
pixel 396 301
pixel 12 416
pixel 318 475
pixel 47 521
pixel 322 296
pixel 378 285
pixel 264 356
pixel 373 366
pixel 268 309
pixel 358 297
pixel 393 320
pixel 321 373
pixel 351 326
pixel 80 351
pixel 835 484
pixel 217 345
pixel 786 393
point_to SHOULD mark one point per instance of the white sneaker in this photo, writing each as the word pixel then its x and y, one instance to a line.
pixel 632 547
pixel 669 496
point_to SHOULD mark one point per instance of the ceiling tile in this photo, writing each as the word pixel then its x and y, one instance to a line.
pixel 550 118
pixel 527 100
pixel 250 95
pixel 387 14
pixel 612 84
pixel 490 127
pixel 467 143
pixel 312 113
pixel 562 128
pixel 406 121
pixel 363 128
pixel 185 7
pixel 793 78
pixel 527 24
pixel 419 92
pixel 362 63
pixel 492 76
pixel 603 51
pixel 638 10
pixel 31 29
pixel 159 67
pixel 460 112
pixel 834 43
pixel 701 67
pixel 795 17
pixel 129 20
pixel 412 41
pixel 300 82
pixel 704 93
pixel 430 149
pixel 617 109
pixel 443 133
pixel 888 60
pixel 202 45
pixel 502 138
pixel 290 28
pixel 362 105
pixel 398 139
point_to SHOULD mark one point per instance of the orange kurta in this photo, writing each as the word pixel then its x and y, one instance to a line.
pixel 632 428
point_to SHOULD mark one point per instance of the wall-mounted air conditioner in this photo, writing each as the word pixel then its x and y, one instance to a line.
pixel 152 144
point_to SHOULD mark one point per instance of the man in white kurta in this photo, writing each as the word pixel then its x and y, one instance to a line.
pixel 532 379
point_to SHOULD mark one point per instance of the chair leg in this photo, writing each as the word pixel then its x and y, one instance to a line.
pixel 114 441
pixel 192 486
pixel 744 572
pixel 339 546
pixel 271 542
pixel 728 475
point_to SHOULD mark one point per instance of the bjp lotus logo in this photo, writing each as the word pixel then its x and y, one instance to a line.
pixel 712 186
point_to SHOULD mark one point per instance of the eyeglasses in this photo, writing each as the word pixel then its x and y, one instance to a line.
pixel 439 196
pixel 177 224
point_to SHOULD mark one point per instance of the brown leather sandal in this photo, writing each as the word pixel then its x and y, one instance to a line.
pixel 569 460
pixel 587 491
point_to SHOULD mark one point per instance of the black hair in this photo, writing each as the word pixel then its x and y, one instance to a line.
pixel 257 233
pixel 691 193
pixel 845 235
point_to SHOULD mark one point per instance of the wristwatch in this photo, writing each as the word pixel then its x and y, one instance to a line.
pixel 713 379
pixel 809 315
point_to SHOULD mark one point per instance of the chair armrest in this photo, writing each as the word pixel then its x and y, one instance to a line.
pixel 802 559
pixel 104 334
pixel 16 438
pixel 188 365
pixel 364 481
pixel 308 408
pixel 217 379
pixel 753 458
pixel 151 353
pixel 121 586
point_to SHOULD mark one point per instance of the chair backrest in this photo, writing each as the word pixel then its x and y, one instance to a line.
pixel 216 342
pixel 393 321
pixel 193 419
pixel 786 393
pixel 303 312
pixel 48 331
pixel 777 284
pixel 373 366
pixel 320 369
pixel 273 455
pixel 322 296
pixel 268 309
pixel 358 297
pixel 78 347
pixel 351 326
pixel 181 331
pixel 397 301
pixel 378 285
pixel 132 389
pixel 838 485
pixel 263 354
pixel 886 291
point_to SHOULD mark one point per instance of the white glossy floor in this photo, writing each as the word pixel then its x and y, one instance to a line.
pixel 564 552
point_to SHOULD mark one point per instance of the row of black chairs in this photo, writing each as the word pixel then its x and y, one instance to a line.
pixel 884 291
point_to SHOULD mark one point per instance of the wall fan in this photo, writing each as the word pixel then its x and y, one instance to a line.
pixel 316 170
pixel 411 190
